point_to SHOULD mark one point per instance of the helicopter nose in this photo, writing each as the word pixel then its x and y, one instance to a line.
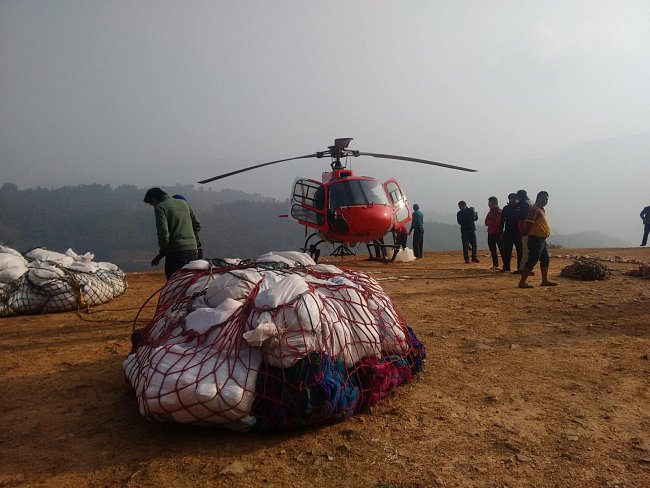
pixel 371 222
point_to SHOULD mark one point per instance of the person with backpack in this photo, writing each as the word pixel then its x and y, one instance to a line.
pixel 523 205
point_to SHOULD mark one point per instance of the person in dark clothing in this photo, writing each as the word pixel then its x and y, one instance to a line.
pixel 645 216
pixel 466 218
pixel 417 228
pixel 510 236
pixel 403 237
pixel 493 224
pixel 523 206
pixel 177 227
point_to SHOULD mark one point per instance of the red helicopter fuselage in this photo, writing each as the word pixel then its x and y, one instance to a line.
pixel 350 209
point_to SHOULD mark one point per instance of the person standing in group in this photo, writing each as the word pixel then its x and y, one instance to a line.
pixel 523 206
pixel 645 216
pixel 417 228
pixel 537 228
pixel 466 218
pixel 493 224
pixel 177 227
pixel 510 236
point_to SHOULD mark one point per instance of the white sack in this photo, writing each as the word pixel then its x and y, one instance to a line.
pixel 289 257
pixel 8 250
pixel 9 260
pixel 11 273
pixel 284 291
pixel 203 319
pixel 197 264
pixel 40 254
pixel 236 284
pixel 405 255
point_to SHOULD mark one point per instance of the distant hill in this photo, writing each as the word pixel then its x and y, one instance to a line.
pixel 595 186
pixel 587 239
pixel 117 226
pixel 600 185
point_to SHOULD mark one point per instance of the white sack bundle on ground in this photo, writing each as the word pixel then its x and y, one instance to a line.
pixel 405 255
pixel 219 325
pixel 46 281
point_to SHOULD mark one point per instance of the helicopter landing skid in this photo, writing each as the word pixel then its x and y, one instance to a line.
pixel 312 249
pixel 383 252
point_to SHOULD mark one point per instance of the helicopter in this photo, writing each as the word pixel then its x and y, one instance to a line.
pixel 345 209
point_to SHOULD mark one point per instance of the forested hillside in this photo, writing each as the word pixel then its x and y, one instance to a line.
pixel 117 226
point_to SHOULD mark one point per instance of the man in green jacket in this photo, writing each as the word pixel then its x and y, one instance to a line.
pixel 177 228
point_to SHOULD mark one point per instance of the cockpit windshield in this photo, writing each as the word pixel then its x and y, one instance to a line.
pixel 356 192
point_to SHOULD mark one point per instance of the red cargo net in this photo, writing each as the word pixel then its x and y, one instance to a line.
pixel 270 346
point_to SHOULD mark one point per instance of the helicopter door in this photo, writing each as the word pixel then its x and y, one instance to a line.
pixel 308 203
pixel 398 200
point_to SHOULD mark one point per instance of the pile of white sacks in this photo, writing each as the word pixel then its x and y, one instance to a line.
pixel 47 281
pixel 202 354
pixel 405 255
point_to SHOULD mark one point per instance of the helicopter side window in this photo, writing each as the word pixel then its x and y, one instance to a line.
pixel 299 212
pixel 399 201
pixel 395 192
pixel 309 193
pixel 356 192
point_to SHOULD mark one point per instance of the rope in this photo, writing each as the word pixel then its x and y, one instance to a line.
pixel 135 320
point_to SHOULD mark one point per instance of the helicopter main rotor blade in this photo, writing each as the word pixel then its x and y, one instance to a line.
pixel 415 160
pixel 225 175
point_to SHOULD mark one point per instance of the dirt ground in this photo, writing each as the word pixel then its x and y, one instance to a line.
pixel 538 387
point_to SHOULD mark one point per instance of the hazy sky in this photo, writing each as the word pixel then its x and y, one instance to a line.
pixel 176 91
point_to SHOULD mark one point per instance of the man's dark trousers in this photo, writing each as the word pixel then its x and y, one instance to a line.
pixel 468 238
pixel 507 242
pixel 176 260
pixel 418 242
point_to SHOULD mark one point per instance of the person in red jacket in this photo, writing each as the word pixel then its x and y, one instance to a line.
pixel 493 223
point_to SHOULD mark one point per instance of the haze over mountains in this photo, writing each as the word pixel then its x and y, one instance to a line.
pixel 582 199
pixel 587 208
pixel 120 93
pixel 606 200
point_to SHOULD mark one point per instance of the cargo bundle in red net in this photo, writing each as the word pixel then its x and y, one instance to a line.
pixel 275 343
pixel 43 281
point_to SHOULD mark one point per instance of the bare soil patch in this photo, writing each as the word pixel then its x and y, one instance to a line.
pixel 535 387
